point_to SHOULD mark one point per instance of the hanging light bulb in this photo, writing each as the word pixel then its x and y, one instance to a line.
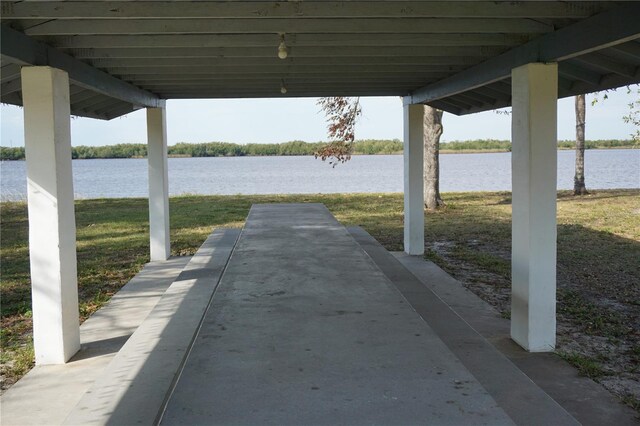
pixel 283 88
pixel 283 51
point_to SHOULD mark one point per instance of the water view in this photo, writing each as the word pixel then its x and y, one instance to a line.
pixel 114 178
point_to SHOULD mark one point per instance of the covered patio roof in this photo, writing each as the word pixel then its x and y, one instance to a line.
pixel 453 55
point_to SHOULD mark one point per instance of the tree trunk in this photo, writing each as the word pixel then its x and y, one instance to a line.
pixel 432 132
pixel 578 180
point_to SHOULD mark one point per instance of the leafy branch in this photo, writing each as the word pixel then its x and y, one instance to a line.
pixel 342 114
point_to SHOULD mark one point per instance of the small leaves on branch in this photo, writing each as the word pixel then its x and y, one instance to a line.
pixel 341 113
pixel 633 117
pixel 634 113
pixel 336 152
pixel 596 96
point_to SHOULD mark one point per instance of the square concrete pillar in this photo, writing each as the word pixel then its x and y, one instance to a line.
pixel 534 169
pixel 413 179
pixel 52 226
pixel 160 245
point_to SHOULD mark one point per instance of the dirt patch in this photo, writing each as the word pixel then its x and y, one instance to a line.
pixel 490 286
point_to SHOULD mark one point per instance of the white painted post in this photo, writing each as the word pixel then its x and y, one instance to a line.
pixel 52 226
pixel 413 179
pixel 160 245
pixel 533 168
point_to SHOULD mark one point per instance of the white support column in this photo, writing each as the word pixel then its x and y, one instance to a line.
pixel 158 184
pixel 413 179
pixel 533 168
pixel 52 226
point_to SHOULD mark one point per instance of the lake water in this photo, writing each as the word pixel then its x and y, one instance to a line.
pixel 298 175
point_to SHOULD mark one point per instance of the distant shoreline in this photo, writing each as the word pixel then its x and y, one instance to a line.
pixel 299 148
pixel 443 152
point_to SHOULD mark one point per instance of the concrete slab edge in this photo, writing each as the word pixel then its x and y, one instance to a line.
pixel 134 386
pixel 583 398
pixel 178 374
pixel 521 399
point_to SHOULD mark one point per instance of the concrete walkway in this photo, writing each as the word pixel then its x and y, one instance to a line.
pixel 306 329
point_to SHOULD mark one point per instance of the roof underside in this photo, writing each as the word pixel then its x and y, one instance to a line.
pixel 454 55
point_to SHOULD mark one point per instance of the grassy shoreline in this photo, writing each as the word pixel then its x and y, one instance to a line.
pixel 598 272
pixel 442 151
pixel 298 148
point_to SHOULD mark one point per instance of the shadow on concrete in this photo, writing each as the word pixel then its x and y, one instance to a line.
pixel 98 348
pixel 139 380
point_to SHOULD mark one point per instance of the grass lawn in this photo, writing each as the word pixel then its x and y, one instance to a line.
pixel 598 267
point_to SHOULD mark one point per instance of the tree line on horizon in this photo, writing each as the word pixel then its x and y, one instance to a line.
pixel 293 148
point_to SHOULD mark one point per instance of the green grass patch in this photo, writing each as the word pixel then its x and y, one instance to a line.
pixel 632 401
pixel 433 256
pixel 586 366
pixel 481 259
pixel 593 319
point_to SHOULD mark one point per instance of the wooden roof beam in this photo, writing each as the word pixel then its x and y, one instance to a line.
pixel 293 40
pixel 294 52
pixel 22 49
pixel 307 9
pixel 289 26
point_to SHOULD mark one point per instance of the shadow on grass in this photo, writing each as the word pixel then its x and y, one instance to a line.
pixel 603 266
pixel 596 195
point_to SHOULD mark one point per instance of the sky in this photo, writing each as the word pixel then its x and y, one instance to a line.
pixel 280 120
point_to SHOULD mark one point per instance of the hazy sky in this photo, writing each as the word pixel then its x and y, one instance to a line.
pixel 280 120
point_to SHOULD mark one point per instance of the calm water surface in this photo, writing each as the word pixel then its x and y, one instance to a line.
pixel 306 175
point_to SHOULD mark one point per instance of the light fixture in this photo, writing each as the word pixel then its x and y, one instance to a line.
pixel 283 51
pixel 283 88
